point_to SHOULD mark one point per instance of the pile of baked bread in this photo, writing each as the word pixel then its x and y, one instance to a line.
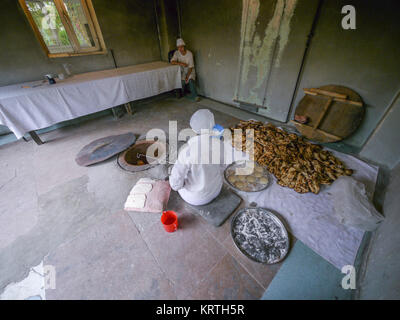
pixel 295 163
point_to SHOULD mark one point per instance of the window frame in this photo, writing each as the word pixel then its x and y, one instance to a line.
pixel 87 5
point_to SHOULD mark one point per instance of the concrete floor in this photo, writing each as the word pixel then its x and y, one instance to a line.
pixel 67 221
pixel 381 278
pixel 55 213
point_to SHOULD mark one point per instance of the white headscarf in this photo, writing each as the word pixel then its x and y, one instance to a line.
pixel 202 121
pixel 180 42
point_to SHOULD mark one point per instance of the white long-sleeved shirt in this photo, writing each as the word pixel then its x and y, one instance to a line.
pixel 188 59
pixel 197 174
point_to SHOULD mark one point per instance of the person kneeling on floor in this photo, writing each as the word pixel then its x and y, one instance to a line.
pixel 184 58
pixel 197 179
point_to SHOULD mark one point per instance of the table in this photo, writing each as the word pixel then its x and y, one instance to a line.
pixel 35 105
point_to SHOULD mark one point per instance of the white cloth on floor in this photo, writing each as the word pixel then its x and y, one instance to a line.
pixel 26 109
pixel 310 217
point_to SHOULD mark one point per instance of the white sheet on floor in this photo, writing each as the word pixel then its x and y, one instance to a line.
pixel 309 217
pixel 26 109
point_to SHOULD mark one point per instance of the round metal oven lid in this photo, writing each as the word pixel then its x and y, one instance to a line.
pixel 104 148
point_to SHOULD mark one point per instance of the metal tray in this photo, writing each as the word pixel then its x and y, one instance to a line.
pixel 260 235
pixel 104 148
pixel 242 162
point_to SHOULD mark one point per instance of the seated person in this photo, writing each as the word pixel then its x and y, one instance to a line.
pixel 184 58
pixel 197 179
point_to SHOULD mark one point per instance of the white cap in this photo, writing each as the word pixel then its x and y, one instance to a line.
pixel 180 42
pixel 202 119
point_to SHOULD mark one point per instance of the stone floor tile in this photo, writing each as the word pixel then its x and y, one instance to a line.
pixel 108 261
pixel 228 280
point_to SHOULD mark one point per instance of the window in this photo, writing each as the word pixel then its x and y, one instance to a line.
pixel 65 27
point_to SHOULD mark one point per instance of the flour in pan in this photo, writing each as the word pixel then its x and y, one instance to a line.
pixel 259 234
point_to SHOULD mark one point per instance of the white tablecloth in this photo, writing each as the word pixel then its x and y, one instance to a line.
pixel 26 109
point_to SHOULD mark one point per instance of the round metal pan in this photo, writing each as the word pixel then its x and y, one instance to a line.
pixel 237 163
pixel 264 251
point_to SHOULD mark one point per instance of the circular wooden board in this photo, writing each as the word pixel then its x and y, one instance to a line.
pixel 340 121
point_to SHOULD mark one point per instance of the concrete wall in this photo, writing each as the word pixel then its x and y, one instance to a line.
pixel 384 144
pixel 382 277
pixel 211 30
pixel 232 41
pixel 168 25
pixel 273 40
pixel 128 27
pixel 365 59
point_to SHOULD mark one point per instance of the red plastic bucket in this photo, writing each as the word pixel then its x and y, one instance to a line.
pixel 169 219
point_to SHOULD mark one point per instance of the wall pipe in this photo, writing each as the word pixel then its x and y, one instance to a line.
pixel 304 59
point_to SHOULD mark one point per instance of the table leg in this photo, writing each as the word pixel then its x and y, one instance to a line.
pixel 114 113
pixel 128 108
pixel 35 137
